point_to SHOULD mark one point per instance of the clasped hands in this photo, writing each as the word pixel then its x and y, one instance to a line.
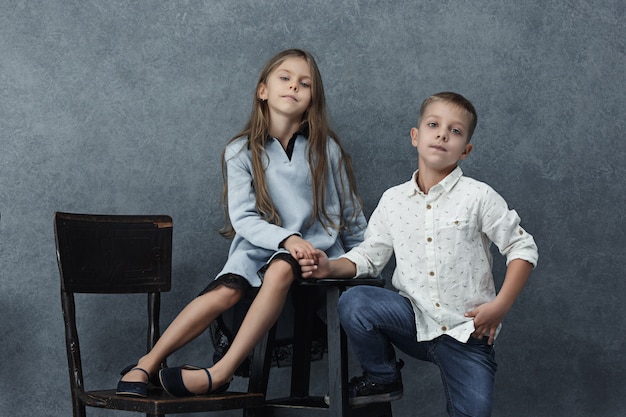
pixel 314 263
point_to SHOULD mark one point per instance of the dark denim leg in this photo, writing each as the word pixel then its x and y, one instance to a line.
pixel 468 374
pixel 373 319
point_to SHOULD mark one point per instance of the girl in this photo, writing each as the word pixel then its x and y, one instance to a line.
pixel 288 189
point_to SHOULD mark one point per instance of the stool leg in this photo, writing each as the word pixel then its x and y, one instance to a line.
pixel 337 357
pixel 302 339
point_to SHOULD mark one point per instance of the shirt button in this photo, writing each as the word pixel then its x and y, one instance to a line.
pixel 430 239
pixel 437 305
pixel 428 206
pixel 431 273
pixel 444 328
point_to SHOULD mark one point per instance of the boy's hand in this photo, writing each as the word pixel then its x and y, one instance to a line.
pixel 298 247
pixel 317 266
pixel 487 318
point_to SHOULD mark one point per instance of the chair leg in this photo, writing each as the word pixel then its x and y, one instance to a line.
pixel 260 370
pixel 302 339
pixel 78 409
pixel 338 367
pixel 337 358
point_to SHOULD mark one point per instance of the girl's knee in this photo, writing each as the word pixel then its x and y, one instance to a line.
pixel 279 273
pixel 225 295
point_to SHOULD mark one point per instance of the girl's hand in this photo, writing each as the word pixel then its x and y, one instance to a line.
pixel 487 318
pixel 317 267
pixel 298 247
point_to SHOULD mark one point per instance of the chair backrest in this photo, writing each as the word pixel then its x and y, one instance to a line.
pixel 110 254
pixel 113 253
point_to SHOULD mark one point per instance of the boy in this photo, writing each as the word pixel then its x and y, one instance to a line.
pixel 439 225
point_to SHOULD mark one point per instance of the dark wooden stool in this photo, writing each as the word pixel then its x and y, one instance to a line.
pixel 299 398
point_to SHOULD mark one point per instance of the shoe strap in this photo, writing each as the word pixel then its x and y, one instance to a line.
pixel 210 379
pixel 142 370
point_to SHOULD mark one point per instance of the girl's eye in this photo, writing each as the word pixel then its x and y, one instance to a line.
pixel 305 85
pixel 284 78
pixel 432 124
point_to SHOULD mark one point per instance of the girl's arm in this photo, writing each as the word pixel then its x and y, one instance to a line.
pixel 242 203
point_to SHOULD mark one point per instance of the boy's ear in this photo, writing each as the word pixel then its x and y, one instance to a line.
pixel 468 149
pixel 414 136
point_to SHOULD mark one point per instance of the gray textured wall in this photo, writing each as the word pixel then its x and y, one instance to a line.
pixel 125 106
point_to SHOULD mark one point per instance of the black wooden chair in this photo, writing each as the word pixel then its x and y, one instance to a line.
pixel 116 254
pixel 299 399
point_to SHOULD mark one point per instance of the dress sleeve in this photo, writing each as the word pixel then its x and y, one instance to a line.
pixel 242 202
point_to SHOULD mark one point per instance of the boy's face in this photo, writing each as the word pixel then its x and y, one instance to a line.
pixel 441 137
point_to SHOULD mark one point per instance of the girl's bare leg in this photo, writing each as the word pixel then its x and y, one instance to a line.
pixel 190 322
pixel 261 316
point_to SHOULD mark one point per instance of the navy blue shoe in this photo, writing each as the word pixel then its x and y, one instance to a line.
pixel 133 388
pixel 172 382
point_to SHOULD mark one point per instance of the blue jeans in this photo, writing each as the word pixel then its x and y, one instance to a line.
pixel 375 319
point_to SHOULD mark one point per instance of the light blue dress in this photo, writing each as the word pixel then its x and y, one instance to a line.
pixel 290 187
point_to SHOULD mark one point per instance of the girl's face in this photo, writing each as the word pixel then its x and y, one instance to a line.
pixel 288 89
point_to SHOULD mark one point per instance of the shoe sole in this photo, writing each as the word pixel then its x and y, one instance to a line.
pixel 370 399
pixel 130 394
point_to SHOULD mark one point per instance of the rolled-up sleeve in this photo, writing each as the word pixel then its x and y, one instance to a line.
pixel 503 228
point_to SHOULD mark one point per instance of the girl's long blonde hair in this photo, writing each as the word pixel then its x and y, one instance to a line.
pixel 257 132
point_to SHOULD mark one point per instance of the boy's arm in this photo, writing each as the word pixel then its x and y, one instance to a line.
pixel 488 316
pixel 320 267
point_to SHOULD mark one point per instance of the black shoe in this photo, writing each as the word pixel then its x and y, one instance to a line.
pixel 172 382
pixel 362 391
pixel 133 389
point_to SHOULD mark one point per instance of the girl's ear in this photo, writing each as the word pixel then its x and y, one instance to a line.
pixel 262 92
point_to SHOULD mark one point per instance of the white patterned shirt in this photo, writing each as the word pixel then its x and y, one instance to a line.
pixel 441 244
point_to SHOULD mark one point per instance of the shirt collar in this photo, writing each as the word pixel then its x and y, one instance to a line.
pixel 444 185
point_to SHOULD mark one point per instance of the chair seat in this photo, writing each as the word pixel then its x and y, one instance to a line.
pixel 159 402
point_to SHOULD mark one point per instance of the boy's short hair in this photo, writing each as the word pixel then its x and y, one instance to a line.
pixel 456 99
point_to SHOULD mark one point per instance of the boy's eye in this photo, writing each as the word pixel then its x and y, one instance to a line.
pixel 432 124
pixel 456 131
